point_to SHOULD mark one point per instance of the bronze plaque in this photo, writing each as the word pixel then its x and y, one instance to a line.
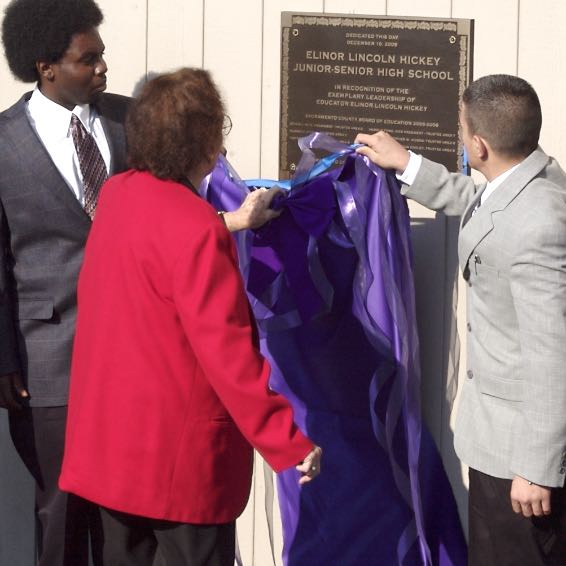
pixel 344 74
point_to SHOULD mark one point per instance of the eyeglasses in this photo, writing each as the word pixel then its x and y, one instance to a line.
pixel 226 125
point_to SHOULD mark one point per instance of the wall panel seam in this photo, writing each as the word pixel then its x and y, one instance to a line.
pixel 203 32
pixel 518 37
pixel 261 86
pixel 146 37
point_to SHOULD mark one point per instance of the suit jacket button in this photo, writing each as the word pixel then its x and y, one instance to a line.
pixel 469 327
pixel 470 374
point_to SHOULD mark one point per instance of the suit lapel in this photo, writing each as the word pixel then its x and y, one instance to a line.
pixel 37 159
pixel 472 206
pixel 475 228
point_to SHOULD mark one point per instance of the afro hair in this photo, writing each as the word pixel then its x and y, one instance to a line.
pixel 41 30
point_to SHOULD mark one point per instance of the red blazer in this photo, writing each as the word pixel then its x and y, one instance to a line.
pixel 168 390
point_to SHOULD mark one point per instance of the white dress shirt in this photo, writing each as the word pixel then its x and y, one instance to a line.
pixel 492 185
pixel 409 175
pixel 52 122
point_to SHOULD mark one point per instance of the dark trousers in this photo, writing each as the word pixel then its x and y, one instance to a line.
pixel 64 522
pixel 500 537
pixel 134 541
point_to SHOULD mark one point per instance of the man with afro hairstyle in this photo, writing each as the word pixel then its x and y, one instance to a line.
pixel 43 229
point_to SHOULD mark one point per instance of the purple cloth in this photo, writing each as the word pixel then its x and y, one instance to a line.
pixel 331 286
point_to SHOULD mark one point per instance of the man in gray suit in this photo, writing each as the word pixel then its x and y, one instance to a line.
pixel 511 425
pixel 43 230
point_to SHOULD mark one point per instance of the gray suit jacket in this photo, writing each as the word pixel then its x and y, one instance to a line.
pixel 43 230
pixel 512 414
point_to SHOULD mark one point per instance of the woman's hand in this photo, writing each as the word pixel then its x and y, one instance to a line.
pixel 254 211
pixel 310 466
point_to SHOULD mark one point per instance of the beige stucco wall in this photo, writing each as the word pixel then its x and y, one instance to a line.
pixel 239 42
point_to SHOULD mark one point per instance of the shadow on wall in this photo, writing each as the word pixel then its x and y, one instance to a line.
pixel 16 503
pixel 435 245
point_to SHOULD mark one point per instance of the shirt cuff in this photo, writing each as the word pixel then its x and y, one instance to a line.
pixel 410 174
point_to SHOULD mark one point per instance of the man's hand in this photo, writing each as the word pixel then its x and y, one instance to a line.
pixel 254 211
pixel 310 466
pixel 384 150
pixel 530 499
pixel 12 391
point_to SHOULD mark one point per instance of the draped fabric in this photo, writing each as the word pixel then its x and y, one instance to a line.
pixel 331 285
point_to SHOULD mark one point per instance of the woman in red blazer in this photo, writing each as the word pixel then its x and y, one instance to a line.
pixel 168 389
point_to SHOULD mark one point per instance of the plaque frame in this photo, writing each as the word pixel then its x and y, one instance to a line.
pixel 291 21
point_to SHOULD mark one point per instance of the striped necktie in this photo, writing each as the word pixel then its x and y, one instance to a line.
pixel 92 164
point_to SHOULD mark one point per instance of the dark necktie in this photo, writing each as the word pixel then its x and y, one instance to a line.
pixel 91 163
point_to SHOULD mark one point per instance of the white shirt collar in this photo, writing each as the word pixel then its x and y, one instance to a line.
pixel 52 120
pixel 493 184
